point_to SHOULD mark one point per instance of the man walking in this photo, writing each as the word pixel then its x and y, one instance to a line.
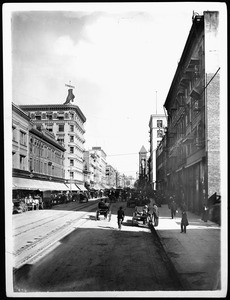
pixel 120 217
pixel 184 221
pixel 173 209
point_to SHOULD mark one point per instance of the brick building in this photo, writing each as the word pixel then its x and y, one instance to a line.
pixel 192 145
pixel 37 157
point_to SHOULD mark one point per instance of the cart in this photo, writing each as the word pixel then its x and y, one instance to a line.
pixel 105 211
pixel 139 215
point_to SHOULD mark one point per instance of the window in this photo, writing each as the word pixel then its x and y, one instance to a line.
pixel 22 161
pixel 49 117
pixel 159 123
pixel 14 159
pixel 49 127
pixel 61 127
pixel 22 138
pixel 71 175
pixel 159 133
pixel 14 133
pixel 38 127
pixel 71 128
pixel 31 165
pixel 72 116
pixel 71 149
pixel 71 163
pixel 60 140
pixel 38 117
pixel 71 139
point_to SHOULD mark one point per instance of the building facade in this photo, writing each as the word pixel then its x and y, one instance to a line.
pixel 161 164
pixel 37 158
pixel 20 138
pixel 192 104
pixel 157 125
pixel 66 122
pixel 111 176
pixel 95 168
pixel 143 166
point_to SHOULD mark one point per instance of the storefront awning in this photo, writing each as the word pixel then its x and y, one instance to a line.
pixel 60 186
pixel 32 184
pixel 81 187
pixel 97 186
pixel 73 187
pixel 105 186
pixel 26 184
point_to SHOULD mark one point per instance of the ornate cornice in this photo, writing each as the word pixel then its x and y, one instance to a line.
pixel 52 107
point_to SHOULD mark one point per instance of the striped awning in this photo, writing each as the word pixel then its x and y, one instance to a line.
pixel 81 187
pixel 73 187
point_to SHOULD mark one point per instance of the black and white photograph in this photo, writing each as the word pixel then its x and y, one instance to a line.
pixel 115 149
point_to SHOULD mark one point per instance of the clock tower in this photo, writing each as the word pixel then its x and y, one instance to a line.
pixel 142 162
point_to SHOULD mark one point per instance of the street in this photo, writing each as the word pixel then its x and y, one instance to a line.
pixel 66 249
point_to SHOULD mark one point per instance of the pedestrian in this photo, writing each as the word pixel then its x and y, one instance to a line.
pixel 151 209
pixel 120 217
pixel 184 221
pixel 173 207
pixel 205 213
pixel 170 202
pixel 155 214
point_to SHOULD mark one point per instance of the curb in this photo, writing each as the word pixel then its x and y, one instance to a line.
pixel 183 283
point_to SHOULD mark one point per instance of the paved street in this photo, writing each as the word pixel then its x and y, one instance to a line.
pixel 96 256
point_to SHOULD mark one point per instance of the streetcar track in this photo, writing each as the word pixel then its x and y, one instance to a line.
pixel 40 252
pixel 49 234
pixel 49 221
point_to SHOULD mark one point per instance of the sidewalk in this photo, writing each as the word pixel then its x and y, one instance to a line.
pixel 196 254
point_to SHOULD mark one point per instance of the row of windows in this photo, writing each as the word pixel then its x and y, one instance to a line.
pixel 40 150
pixel 39 166
pixel 22 136
pixel 51 116
pixel 61 127
pixel 56 116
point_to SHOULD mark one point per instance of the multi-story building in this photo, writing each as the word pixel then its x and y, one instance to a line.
pixel 37 158
pixel 157 125
pixel 192 104
pixel 161 163
pixel 111 175
pixel 101 165
pixel 95 168
pixel 66 122
pixel 20 138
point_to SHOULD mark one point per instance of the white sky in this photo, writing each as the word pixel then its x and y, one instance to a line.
pixel 116 55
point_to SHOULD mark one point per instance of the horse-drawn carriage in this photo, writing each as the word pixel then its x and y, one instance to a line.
pixel 103 209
